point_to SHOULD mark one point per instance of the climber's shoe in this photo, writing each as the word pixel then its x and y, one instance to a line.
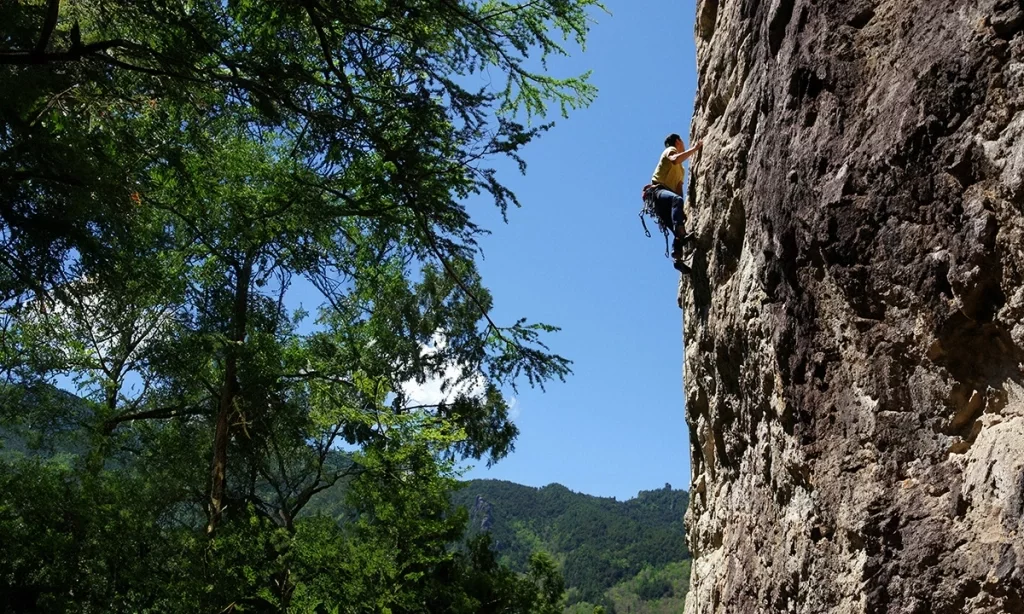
pixel 679 242
pixel 680 265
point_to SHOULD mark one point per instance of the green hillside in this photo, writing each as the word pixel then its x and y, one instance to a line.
pixel 624 556
pixel 600 543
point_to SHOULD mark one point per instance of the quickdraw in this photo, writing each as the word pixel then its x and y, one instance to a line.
pixel 650 209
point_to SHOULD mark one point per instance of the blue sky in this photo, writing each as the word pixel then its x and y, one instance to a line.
pixel 575 256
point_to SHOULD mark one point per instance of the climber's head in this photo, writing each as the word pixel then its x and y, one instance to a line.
pixel 673 140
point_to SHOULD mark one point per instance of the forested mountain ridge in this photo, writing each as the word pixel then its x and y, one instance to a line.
pixel 598 542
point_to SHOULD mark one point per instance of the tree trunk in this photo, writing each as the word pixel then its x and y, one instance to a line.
pixel 228 397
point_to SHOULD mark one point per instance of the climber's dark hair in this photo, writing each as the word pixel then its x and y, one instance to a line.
pixel 671 139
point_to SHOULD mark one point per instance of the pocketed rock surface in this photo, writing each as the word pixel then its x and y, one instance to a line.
pixel 854 323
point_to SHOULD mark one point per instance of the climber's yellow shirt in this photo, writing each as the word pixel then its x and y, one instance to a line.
pixel 668 174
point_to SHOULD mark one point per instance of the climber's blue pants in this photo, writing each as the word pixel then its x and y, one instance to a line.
pixel 669 206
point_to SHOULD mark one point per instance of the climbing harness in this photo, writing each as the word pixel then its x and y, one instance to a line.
pixel 650 209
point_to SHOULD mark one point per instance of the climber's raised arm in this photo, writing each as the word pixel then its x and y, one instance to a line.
pixel 682 156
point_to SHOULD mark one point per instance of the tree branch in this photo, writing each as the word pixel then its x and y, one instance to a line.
pixel 434 249
pixel 76 52
pixel 307 375
pixel 52 11
pixel 162 413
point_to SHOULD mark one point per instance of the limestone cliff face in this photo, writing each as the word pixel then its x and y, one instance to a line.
pixel 855 320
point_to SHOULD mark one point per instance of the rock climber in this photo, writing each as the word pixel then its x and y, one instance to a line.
pixel 665 195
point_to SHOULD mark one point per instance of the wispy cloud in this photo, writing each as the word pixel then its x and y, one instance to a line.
pixel 452 382
pixel 514 409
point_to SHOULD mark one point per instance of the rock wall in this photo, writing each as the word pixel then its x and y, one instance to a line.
pixel 855 321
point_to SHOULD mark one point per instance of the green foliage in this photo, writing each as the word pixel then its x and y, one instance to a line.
pixel 598 542
pixel 655 590
pixel 650 587
pixel 169 173
pixel 82 542
pixel 121 541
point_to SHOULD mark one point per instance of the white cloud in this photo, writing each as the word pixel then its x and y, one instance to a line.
pixel 444 388
pixel 514 410
pixel 430 391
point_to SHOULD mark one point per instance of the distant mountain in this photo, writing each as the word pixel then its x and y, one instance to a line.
pixel 42 420
pixel 626 556
pixel 600 543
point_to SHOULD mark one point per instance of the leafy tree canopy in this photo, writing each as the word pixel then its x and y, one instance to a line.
pixel 169 172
